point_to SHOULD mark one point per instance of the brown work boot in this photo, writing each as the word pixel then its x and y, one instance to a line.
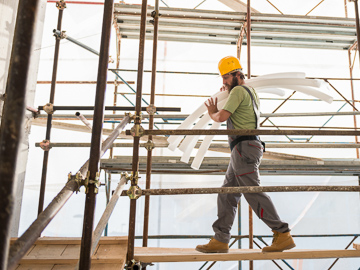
pixel 214 246
pixel 281 242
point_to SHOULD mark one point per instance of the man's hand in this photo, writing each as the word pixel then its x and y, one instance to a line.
pixel 214 113
pixel 212 107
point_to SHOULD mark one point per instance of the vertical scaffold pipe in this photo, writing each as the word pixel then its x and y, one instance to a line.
pixel 13 116
pixel 248 41
pixel 357 25
pixel 358 48
pixel 49 116
pixel 85 251
pixel 156 15
pixel 135 160
pixel 353 96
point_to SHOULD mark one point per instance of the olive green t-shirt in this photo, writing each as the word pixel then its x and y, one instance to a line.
pixel 239 104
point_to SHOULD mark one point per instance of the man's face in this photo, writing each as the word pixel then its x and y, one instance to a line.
pixel 229 81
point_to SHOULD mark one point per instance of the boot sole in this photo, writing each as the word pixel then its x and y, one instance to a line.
pixel 212 251
pixel 280 250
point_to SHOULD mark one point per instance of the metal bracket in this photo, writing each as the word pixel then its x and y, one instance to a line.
pixel 89 181
pixel 137 130
pixel 127 176
pixel 151 109
pixel 45 145
pixel 63 35
pixel 133 178
pixel 134 192
pixel 154 14
pixel 78 180
pixel 61 5
pixel 143 264
pixel 149 145
pixel 134 265
pixel 48 108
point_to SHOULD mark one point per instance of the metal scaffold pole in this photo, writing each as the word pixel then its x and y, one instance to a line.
pixel 136 133
pixel 13 116
pixel 151 110
pixel 61 5
pixel 248 43
pixel 351 65
pixel 92 182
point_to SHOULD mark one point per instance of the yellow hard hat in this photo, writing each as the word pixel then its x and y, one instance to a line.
pixel 229 64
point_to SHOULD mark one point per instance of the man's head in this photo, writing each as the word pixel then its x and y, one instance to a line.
pixel 231 72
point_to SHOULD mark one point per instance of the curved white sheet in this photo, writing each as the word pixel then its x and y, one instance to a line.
pixel 204 147
pixel 175 140
pixel 311 91
pixel 299 75
pixel 190 141
pixel 287 81
pixel 270 83
pixel 275 91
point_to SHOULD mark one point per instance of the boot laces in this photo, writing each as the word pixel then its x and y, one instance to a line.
pixel 275 237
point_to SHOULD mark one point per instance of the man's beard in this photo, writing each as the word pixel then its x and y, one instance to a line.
pixel 234 83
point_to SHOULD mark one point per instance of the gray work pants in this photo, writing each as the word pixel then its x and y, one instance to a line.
pixel 243 170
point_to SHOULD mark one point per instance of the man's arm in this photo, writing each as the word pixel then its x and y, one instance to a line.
pixel 215 114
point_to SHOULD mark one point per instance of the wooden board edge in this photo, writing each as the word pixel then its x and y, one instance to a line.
pixel 70 261
pixel 190 257
pixel 107 240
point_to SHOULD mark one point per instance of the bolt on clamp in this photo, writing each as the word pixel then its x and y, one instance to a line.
pixel 89 181
pixel 48 108
pixel 151 109
pixel 77 178
pixel 133 178
pixel 149 145
pixel 63 35
pixel 45 145
pixel 134 265
pixel 127 176
pixel 61 5
pixel 137 130
pixel 134 192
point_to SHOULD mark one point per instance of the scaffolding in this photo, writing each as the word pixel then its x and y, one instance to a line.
pixel 231 28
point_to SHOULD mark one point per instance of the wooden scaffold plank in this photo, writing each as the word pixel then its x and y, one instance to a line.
pixel 63 253
pixel 190 255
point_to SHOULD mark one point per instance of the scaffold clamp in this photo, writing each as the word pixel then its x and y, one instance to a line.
pixel 77 178
pixel 95 182
pixel 151 109
pixel 45 145
pixel 149 145
pixel 134 192
pixel 137 130
pixel 61 5
pixel 127 176
pixel 132 265
pixel 48 108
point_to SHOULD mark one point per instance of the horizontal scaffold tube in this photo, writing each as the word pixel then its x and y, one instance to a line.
pixel 250 132
pixel 183 116
pixel 110 108
pixel 251 189
pixel 224 145
pixel 24 243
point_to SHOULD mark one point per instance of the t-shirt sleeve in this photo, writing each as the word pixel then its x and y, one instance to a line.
pixel 235 98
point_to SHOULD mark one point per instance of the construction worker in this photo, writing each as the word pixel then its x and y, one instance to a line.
pixel 241 111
